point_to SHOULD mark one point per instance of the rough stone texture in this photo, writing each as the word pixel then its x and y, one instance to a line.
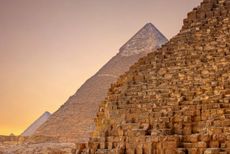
pixel 4 138
pixel 175 100
pixel 36 124
pixel 36 145
pixel 42 148
pixel 74 121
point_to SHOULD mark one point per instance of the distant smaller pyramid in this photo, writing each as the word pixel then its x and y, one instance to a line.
pixel 12 134
pixel 36 124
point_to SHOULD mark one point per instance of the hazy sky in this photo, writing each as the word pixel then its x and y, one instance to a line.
pixel 48 48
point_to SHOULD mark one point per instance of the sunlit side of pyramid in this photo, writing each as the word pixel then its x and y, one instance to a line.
pixel 36 124
pixel 74 121
pixel 176 100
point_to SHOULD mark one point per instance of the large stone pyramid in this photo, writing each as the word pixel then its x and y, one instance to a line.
pixel 74 121
pixel 177 99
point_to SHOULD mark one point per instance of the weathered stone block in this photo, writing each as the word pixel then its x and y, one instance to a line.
pixel 214 144
pixel 212 151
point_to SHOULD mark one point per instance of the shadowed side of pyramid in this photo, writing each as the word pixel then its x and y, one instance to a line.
pixel 74 121
pixel 36 124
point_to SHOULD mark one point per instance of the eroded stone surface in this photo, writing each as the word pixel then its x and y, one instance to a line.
pixel 41 148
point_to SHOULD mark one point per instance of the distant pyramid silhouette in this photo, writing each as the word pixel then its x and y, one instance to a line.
pixel 74 121
pixel 36 124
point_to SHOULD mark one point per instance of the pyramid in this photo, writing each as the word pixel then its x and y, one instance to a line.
pixel 175 100
pixel 74 121
pixel 36 124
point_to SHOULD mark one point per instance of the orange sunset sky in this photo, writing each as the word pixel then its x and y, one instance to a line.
pixel 48 48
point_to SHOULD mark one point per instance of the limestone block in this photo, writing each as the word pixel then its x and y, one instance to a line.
pixel 170 151
pixel 212 151
pixel 192 150
pixel 181 151
pixel 214 144
pixel 205 137
pixel 194 138
pixel 187 130
pixel 139 149
pixel 201 145
pixel 147 148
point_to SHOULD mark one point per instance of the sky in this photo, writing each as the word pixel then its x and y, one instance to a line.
pixel 49 48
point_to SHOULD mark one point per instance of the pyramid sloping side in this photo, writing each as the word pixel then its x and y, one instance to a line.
pixel 36 124
pixel 177 99
pixel 74 121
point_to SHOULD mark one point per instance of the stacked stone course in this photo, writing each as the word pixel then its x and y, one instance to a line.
pixel 175 100
pixel 7 138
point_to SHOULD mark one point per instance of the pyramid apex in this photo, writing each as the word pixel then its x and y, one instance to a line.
pixel 145 40
pixel 149 24
pixel 46 112
pixel 150 27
